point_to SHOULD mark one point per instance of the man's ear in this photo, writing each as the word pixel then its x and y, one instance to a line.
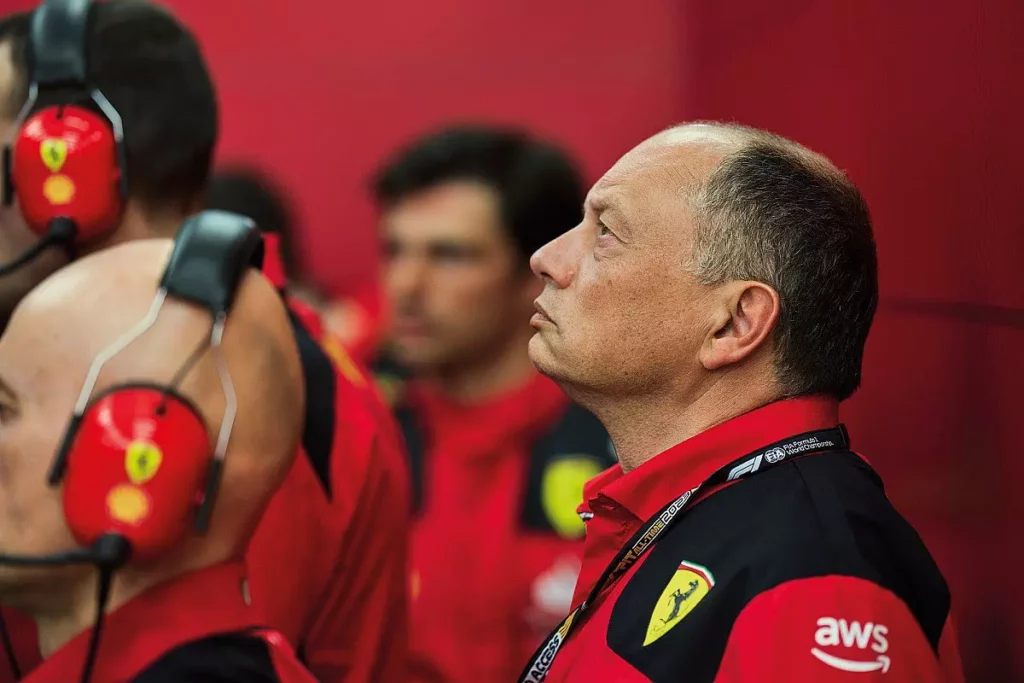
pixel 746 315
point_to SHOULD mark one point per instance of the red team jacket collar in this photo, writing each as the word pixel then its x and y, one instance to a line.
pixel 526 409
pixel 647 489
pixel 187 608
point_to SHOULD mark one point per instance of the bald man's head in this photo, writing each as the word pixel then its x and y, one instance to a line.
pixel 710 251
pixel 57 331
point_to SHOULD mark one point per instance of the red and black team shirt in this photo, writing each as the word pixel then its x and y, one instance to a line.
pixel 196 628
pixel 804 572
pixel 496 539
pixel 329 560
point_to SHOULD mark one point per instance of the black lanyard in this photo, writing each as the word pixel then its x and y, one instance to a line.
pixel 834 439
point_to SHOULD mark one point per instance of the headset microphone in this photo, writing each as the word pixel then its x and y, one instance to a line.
pixel 60 233
pixel 108 554
pixel 112 550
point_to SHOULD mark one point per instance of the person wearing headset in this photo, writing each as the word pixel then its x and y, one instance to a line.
pixel 335 590
pixel 178 606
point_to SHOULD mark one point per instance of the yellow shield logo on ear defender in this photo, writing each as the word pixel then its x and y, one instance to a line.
pixel 141 461
pixel 54 152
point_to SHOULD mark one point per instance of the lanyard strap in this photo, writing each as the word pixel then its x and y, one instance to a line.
pixel 834 439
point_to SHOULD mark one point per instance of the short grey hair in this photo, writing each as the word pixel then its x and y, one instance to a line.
pixel 777 213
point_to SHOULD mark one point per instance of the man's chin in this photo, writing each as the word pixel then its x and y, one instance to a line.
pixel 424 358
pixel 542 357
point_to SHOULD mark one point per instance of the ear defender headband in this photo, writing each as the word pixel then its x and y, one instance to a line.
pixel 66 165
pixel 136 461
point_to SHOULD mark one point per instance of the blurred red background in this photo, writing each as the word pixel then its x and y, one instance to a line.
pixel 919 101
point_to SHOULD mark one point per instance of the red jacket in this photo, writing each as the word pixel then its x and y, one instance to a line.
pixel 331 582
pixel 327 579
pixel 196 627
pixel 496 540
pixel 802 572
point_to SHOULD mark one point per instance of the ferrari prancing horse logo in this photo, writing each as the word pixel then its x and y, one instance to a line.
pixel 688 586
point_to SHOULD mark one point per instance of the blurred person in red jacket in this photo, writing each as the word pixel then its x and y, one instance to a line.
pixel 498 453
pixel 321 574
pixel 356 321
pixel 367 468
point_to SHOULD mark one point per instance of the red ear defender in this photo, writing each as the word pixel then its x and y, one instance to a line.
pixel 65 165
pixel 136 467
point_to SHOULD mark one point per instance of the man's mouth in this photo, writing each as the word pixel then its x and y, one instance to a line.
pixel 541 317
pixel 412 326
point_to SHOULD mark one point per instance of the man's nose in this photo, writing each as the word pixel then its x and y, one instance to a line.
pixel 406 276
pixel 555 262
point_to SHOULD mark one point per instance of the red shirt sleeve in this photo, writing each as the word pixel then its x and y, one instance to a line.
pixel 360 634
pixel 833 629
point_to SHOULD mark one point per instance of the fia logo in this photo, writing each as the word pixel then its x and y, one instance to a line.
pixel 855 636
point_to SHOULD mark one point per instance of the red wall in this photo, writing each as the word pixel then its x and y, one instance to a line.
pixel 320 91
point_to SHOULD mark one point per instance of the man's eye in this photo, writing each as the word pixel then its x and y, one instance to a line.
pixel 7 414
pixel 451 253
pixel 602 229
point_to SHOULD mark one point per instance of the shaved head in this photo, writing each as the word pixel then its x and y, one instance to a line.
pixel 57 331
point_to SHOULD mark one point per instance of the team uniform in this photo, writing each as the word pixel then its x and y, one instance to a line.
pixel 795 568
pixel 196 628
pixel 496 541
pixel 320 571
pixel 330 557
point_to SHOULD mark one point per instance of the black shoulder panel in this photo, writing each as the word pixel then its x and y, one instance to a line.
pixel 391 378
pixel 227 658
pixel 415 437
pixel 819 515
pixel 574 449
pixel 318 432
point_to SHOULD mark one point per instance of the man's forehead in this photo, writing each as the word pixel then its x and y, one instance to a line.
pixel 676 161
pixel 464 211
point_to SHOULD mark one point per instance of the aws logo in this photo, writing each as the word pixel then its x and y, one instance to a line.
pixel 855 637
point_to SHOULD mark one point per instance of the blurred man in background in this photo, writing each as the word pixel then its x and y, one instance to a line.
pixel 498 453
pixel 321 575
pixel 352 323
